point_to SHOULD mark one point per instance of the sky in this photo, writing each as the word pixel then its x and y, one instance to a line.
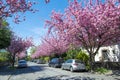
pixel 34 25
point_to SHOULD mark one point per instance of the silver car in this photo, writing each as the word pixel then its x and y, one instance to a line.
pixel 22 63
pixel 73 65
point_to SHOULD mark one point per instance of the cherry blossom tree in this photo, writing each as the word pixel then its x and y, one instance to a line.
pixel 92 23
pixel 50 46
pixel 47 1
pixel 17 46
pixel 10 8
pixel 57 45
pixel 21 55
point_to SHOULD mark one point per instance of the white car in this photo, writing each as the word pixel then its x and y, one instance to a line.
pixel 22 63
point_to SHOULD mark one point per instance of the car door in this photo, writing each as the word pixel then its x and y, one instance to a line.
pixel 52 62
pixel 65 64
pixel 68 63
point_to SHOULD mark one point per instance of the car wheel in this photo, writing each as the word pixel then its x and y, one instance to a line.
pixel 71 69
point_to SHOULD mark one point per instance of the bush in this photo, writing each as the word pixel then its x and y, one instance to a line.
pixel 72 54
pixel 101 70
pixel 83 56
pixel 46 59
pixel 28 58
pixel 4 56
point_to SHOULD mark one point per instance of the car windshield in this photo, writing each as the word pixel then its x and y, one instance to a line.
pixel 22 61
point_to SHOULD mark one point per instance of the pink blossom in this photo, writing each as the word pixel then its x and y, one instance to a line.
pixel 50 46
pixel 22 55
pixel 18 45
pixel 92 26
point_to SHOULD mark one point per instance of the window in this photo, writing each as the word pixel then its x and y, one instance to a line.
pixel 69 61
pixel 105 55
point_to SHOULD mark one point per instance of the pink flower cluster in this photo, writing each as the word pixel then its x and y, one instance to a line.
pixel 50 46
pixel 10 8
pixel 19 45
pixel 90 24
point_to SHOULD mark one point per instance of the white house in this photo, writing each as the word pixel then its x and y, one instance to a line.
pixel 108 54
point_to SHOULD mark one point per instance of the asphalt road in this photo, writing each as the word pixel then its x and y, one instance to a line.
pixel 43 72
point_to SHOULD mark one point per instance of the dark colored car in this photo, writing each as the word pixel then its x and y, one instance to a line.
pixel 56 62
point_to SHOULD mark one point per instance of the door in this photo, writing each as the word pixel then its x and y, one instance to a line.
pixel 69 63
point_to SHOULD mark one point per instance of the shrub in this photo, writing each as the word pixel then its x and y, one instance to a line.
pixel 101 70
pixel 72 53
pixel 46 59
pixel 4 56
pixel 83 56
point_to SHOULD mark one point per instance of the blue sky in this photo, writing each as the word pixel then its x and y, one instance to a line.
pixel 33 26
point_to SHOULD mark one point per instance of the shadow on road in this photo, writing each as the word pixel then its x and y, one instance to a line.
pixel 17 71
pixel 65 77
pixel 116 72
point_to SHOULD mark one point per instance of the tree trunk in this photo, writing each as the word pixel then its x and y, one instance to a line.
pixel 0 22
pixel 13 61
pixel 12 64
pixel 91 62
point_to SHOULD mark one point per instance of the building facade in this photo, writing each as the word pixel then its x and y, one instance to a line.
pixel 108 54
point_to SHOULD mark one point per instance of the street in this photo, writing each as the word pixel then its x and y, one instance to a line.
pixel 43 72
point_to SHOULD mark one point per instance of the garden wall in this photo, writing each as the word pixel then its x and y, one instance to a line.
pixel 108 65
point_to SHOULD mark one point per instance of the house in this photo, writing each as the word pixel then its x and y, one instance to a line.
pixel 108 54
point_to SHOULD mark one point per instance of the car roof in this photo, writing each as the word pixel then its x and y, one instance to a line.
pixel 21 60
pixel 74 59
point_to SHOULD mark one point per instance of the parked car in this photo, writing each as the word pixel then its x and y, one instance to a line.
pixel 40 61
pixel 35 60
pixel 32 60
pixel 73 65
pixel 22 63
pixel 56 62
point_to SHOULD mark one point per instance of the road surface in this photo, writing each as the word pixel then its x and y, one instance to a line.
pixel 43 72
